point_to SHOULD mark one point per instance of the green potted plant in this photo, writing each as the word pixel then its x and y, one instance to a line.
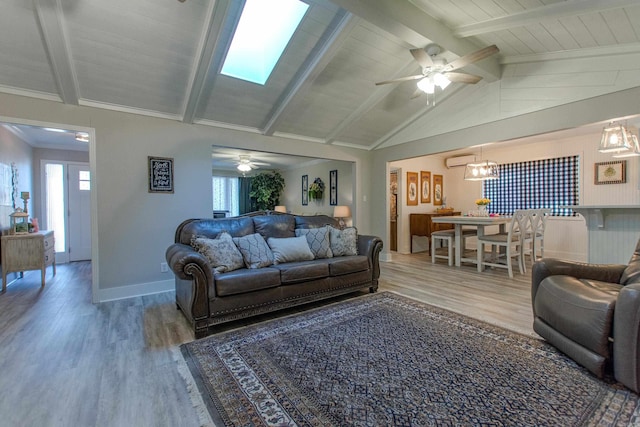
pixel 316 189
pixel 265 189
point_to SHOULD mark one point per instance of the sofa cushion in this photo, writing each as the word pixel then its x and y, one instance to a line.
pixel 296 272
pixel 255 251
pixel 222 253
pixel 343 242
pixel 289 249
pixel 315 221
pixel 346 265
pixel 581 310
pixel 631 274
pixel 318 240
pixel 275 225
pixel 244 280
pixel 211 228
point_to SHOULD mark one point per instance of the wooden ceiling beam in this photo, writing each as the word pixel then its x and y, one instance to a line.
pixel 51 24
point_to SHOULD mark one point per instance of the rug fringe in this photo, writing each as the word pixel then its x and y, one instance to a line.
pixel 194 394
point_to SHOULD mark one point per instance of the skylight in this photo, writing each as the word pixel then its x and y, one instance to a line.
pixel 264 29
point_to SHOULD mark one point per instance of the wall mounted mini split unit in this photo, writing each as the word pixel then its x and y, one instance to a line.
pixel 458 161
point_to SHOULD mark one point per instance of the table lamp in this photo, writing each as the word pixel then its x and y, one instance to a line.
pixel 341 212
pixel 280 208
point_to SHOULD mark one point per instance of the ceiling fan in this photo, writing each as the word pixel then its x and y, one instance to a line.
pixel 245 164
pixel 436 71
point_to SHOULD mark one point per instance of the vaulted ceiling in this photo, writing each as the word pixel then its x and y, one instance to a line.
pixel 162 58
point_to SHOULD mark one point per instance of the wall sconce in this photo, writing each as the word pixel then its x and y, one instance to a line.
pixel 280 208
pixel 341 212
pixel 480 171
pixel 615 139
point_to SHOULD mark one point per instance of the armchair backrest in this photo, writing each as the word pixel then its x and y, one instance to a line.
pixel 631 274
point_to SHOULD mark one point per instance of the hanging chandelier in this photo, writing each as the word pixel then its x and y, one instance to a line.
pixel 482 170
pixel 615 139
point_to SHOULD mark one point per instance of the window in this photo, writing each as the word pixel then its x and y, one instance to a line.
pixel 226 195
pixel 84 180
pixel 264 30
pixel 548 183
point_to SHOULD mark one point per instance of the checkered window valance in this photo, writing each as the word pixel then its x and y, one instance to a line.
pixel 547 183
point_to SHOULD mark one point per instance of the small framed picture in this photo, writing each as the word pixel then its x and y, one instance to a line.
pixel 425 187
pixel 437 190
pixel 160 174
pixel 305 190
pixel 614 172
pixel 412 188
pixel 333 187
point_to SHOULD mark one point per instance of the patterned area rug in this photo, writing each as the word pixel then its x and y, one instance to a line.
pixel 385 360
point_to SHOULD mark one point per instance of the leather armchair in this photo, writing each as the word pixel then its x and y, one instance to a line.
pixel 591 312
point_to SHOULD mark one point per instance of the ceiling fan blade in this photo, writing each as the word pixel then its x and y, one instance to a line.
pixel 463 78
pixel 472 57
pixel 401 79
pixel 417 93
pixel 422 57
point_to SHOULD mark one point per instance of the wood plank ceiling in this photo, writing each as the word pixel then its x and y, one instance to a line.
pixel 162 58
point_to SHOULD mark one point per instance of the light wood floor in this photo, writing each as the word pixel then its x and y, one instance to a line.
pixel 67 362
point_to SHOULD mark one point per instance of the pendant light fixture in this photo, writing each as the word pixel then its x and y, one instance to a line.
pixel 482 170
pixel 615 139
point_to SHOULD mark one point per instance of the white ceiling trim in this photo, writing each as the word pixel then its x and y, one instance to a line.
pixel 208 45
pixel 595 52
pixel 298 137
pixel 126 109
pixel 30 93
pixel 229 126
pixel 541 14
pixel 49 18
pixel 327 47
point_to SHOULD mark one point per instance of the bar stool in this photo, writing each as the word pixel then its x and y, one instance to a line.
pixel 449 237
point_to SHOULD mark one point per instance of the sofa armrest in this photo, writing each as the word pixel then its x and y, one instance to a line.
pixel 193 279
pixel 553 267
pixel 371 246
pixel 626 337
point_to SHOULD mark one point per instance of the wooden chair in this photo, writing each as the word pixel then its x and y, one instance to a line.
pixel 449 237
pixel 511 241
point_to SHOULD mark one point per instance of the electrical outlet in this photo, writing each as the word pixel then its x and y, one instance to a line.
pixel 164 268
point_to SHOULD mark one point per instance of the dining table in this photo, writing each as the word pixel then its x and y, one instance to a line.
pixel 480 222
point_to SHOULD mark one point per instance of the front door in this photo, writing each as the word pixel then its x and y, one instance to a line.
pixel 79 219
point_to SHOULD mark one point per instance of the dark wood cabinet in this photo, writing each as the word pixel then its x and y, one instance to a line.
pixel 420 224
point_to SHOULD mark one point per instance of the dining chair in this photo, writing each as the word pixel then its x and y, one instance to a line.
pixel 511 242
pixel 533 238
pixel 449 237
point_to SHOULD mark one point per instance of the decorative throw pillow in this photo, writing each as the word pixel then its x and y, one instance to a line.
pixel 222 253
pixel 289 249
pixel 343 242
pixel 255 251
pixel 318 240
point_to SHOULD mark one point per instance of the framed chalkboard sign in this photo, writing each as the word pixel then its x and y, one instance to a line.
pixel 160 175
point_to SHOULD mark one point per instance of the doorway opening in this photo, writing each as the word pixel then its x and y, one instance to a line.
pixel 66 192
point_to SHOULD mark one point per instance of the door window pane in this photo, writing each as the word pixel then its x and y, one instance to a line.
pixel 55 204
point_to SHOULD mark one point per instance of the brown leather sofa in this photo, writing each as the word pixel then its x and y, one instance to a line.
pixel 208 298
pixel 591 312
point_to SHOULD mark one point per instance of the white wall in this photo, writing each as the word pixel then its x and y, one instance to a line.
pixel 292 197
pixel 133 228
pixel 13 149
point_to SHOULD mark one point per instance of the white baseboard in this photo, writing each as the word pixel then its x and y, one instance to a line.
pixel 131 291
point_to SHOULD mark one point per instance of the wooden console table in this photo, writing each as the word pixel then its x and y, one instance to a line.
pixel 22 252
pixel 420 224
